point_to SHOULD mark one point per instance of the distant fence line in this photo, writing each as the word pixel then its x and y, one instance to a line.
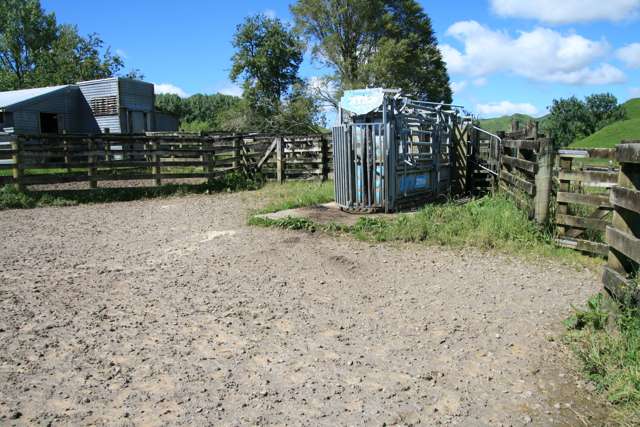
pixel 56 159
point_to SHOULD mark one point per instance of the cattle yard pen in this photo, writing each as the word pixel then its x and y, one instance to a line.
pixel 55 159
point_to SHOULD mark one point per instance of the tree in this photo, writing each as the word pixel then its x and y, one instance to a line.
pixel 74 58
pixel 603 110
pixel 199 112
pixel 375 43
pixel 36 51
pixel 267 59
pixel 268 56
pixel 26 36
pixel 571 119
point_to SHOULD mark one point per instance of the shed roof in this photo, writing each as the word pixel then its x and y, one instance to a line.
pixel 14 97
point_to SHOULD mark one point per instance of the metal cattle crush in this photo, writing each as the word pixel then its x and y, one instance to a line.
pixel 392 152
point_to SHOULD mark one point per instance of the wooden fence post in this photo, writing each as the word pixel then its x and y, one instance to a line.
pixel 562 208
pixel 211 163
pixel 16 147
pixel 622 235
pixel 67 157
pixel 91 158
pixel 155 158
pixel 543 181
pixel 280 163
pixel 324 149
pixel 236 152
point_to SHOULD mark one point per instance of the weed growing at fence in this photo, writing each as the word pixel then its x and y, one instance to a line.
pixel 10 198
pixel 606 338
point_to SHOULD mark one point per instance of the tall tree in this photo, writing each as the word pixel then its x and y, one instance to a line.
pixel 26 36
pixel 375 43
pixel 267 59
pixel 36 51
pixel 603 110
pixel 268 56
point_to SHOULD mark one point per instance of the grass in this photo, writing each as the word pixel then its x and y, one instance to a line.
pixel 293 194
pixel 10 198
pixel 503 123
pixel 610 136
pixel 492 222
pixel 606 338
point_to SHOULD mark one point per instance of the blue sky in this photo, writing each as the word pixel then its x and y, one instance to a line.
pixel 504 56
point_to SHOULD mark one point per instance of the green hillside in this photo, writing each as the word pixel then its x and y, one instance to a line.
pixel 503 123
pixel 611 135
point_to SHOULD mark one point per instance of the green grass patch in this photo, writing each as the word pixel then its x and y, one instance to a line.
pixel 612 135
pixel 606 338
pixel 293 194
pixel 492 222
pixel 10 198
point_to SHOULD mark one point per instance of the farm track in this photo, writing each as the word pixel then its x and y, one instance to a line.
pixel 174 311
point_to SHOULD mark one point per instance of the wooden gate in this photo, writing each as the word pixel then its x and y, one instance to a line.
pixel 583 210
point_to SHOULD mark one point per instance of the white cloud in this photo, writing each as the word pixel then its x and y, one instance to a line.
pixel 541 55
pixel 481 81
pixel 121 53
pixel 634 92
pixel 630 55
pixel 230 89
pixel 269 13
pixel 505 108
pixel 170 89
pixel 567 11
pixel 458 87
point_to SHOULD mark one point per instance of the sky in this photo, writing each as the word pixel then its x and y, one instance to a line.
pixel 503 56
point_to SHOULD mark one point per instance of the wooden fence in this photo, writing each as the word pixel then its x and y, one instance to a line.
pixel 525 170
pixel 623 235
pixel 584 180
pixel 55 159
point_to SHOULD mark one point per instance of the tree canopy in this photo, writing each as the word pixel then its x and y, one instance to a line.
pixel 37 51
pixel 200 112
pixel 266 62
pixel 572 118
pixel 387 43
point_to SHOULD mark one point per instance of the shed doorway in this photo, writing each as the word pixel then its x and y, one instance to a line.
pixel 49 123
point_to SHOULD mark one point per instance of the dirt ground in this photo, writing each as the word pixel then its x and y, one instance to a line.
pixel 174 311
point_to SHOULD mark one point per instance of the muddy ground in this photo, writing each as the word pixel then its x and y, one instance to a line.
pixel 174 311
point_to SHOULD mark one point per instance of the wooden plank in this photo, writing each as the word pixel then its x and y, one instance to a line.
pixel 628 153
pixel 588 153
pixel 626 198
pixel 522 164
pixel 619 287
pixel 269 151
pixel 591 178
pixel 584 199
pixel 624 243
pixel 581 222
pixel 595 248
pixel 523 144
pixel 518 182
pixel 599 213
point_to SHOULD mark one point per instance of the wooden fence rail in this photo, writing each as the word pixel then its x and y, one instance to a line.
pixel 620 276
pixel 583 209
pixel 54 159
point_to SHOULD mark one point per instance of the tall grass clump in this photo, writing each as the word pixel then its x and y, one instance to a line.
pixel 605 336
pixel 492 222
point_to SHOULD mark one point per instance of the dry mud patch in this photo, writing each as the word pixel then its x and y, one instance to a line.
pixel 173 311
